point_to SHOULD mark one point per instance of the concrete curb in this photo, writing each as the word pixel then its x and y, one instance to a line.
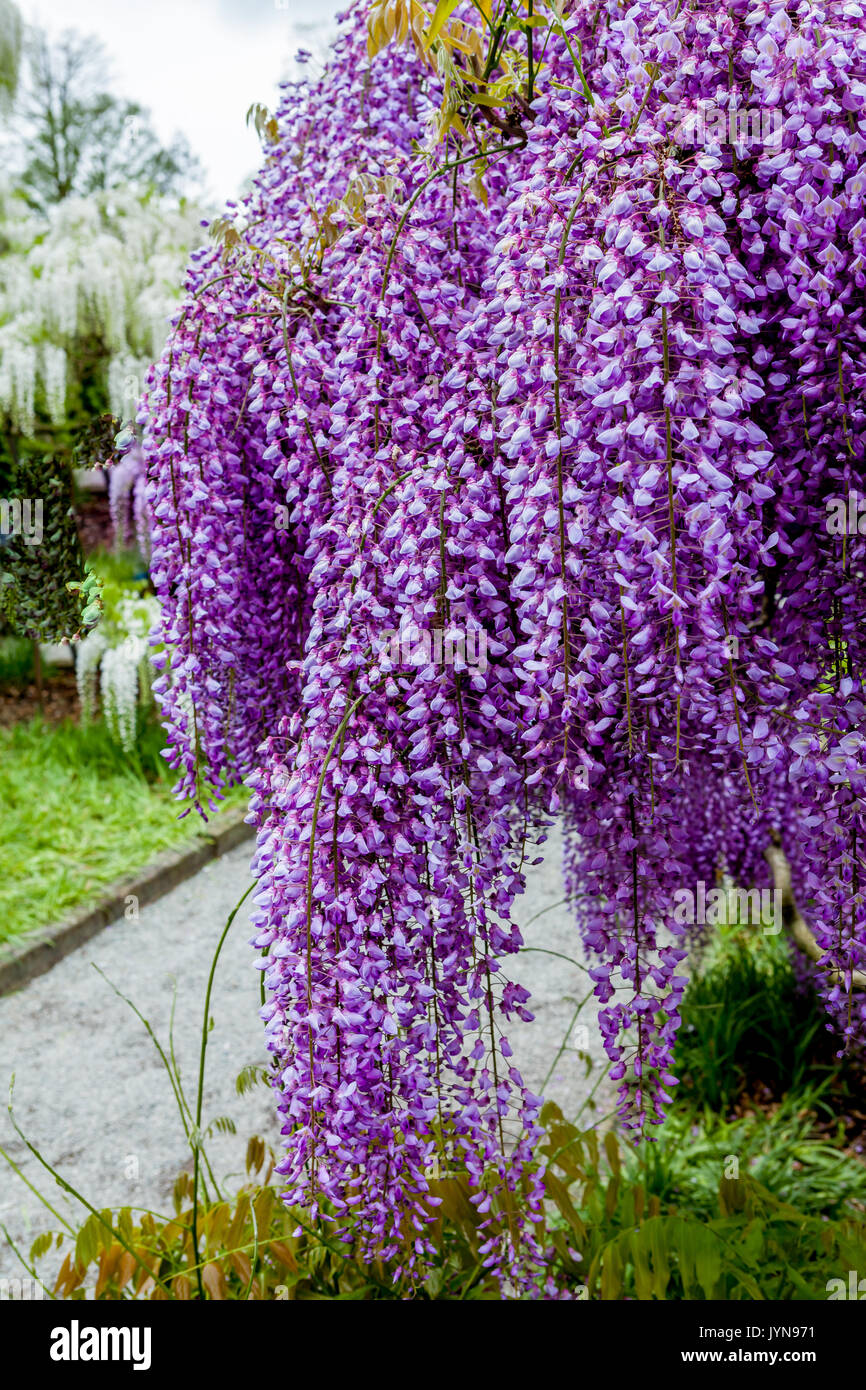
pixel 23 961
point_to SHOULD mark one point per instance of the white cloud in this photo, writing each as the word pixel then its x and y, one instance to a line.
pixel 198 65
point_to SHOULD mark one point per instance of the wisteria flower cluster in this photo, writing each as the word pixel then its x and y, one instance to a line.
pixel 580 382
pixel 115 657
pixel 127 499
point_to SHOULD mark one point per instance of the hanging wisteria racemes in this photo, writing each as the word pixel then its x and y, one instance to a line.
pixel 495 464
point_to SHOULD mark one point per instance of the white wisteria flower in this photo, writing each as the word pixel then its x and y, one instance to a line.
pixel 117 653
pixel 103 270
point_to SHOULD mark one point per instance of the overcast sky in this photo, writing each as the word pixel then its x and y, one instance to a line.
pixel 198 65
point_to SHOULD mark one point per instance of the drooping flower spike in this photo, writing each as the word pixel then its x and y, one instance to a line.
pixel 493 482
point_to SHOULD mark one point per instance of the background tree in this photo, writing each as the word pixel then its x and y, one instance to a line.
pixel 95 232
pixel 75 137
pixel 10 53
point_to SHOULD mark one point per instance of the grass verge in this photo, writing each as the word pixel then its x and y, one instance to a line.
pixel 78 813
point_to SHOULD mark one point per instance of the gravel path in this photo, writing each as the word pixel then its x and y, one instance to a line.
pixel 91 1092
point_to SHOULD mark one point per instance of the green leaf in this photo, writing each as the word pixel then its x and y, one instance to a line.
pixel 698 1250
pixel 105 1233
pixel 611 1148
pixel 441 16
pixel 612 1270
pixel 558 1191
pixel 643 1278
pixel 708 1262
pixel 40 1245
pixel 87 1242
pixel 611 1196
pixel 654 1233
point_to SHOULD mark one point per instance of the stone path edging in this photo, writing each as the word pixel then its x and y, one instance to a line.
pixel 22 961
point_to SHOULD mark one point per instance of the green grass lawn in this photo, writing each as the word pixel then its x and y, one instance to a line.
pixel 76 813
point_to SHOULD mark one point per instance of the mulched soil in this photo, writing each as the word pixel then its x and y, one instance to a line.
pixel 59 700
pixel 94 522
pixel 845 1127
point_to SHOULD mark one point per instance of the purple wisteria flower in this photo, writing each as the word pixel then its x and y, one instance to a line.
pixel 581 391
